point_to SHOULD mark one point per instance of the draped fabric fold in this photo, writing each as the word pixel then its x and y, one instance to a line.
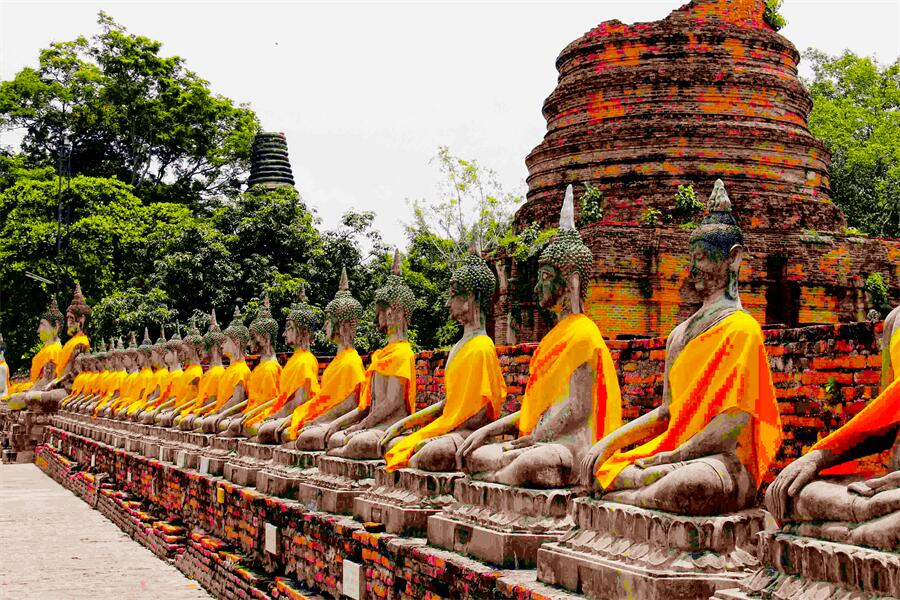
pixel 300 371
pixel 473 380
pixel 209 386
pixel 47 354
pixel 68 350
pixel 574 341
pixel 394 360
pixel 262 385
pixel 236 374
pixel 724 368
pixel 343 377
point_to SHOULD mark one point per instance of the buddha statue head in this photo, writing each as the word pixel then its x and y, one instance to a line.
pixel 717 249
pixel 301 322
pixel 158 350
pixel 394 303
pixel 342 315
pixel 191 346
pixel 237 336
pixel 213 340
pixel 565 264
pixel 264 330
pixel 472 285
pixel 142 358
pixel 48 328
pixel 78 313
pixel 171 355
pixel 2 348
pixel 131 354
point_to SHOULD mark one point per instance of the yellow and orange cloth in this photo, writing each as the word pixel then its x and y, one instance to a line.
pixel 574 341
pixel 236 374
pixel 162 379
pixel 144 383
pixel 342 378
pixel 118 387
pixel 300 371
pixel 724 368
pixel 394 360
pixel 68 350
pixel 473 380
pixel 46 355
pixel 7 388
pixel 184 386
pixel 262 385
pixel 208 386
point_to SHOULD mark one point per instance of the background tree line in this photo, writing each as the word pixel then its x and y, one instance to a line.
pixel 158 227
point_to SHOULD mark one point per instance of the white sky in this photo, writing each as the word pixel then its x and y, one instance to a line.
pixel 366 92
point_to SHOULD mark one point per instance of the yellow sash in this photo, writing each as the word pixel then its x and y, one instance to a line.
pixel 473 380
pixel 343 377
pixel 894 352
pixel 574 341
pixel 65 354
pixel 122 383
pixel 184 388
pixel 209 385
pixel 48 354
pixel 236 374
pixel 262 385
pixel 301 371
pixel 394 360
pixel 722 369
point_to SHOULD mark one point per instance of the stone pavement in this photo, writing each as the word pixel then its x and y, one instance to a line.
pixel 54 546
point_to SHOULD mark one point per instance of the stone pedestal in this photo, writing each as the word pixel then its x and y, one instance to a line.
pixel 288 468
pixel 804 568
pixel 251 458
pixel 499 524
pixel 404 499
pixel 620 552
pixel 219 452
pixel 337 481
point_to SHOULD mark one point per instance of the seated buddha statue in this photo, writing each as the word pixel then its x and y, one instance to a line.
pixel 172 385
pixel 342 379
pixel 161 378
pixel 185 389
pixel 232 388
pixel 138 384
pixel 109 374
pixel 474 383
pixel 191 414
pixel 826 493
pixel 262 384
pixel 572 396
pixel 705 450
pixel 46 363
pixel 389 391
pixel 299 379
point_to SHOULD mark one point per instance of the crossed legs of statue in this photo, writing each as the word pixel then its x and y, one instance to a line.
pixel 711 485
pixel 541 465
pixel 362 445
pixel 312 437
pixel 437 454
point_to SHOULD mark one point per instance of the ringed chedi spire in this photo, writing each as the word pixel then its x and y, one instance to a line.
pixel 270 166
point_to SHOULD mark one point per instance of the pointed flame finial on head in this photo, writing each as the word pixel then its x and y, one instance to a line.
pixel 212 319
pixel 473 247
pixel 567 214
pixel 266 311
pixel 718 199
pixel 397 268
pixel 301 293
pixel 344 285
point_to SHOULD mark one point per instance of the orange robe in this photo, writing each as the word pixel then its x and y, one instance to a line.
pixel 394 360
pixel 68 350
pixel 48 354
pixel 574 341
pixel 473 380
pixel 236 374
pixel 209 386
pixel 342 378
pixel 184 386
pixel 724 368
pixel 262 386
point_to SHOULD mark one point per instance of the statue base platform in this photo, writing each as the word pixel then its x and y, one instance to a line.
pixel 219 452
pixel 499 524
pixel 619 552
pixel 244 468
pixel 404 499
pixel 288 468
pixel 801 567
pixel 336 483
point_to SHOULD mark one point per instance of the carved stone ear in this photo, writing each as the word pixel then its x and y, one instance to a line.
pixel 736 255
pixel 574 281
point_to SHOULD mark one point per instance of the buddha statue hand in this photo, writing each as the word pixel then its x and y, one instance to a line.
pixel 476 440
pixel 519 442
pixel 790 481
pixel 663 458
pixel 384 443
pixel 876 485
pixel 596 456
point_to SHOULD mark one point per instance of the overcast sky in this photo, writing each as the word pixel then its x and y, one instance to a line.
pixel 366 92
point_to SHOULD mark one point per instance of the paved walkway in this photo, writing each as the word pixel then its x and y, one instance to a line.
pixel 53 546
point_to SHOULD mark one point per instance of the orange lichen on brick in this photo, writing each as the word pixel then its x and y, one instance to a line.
pixel 837 262
pixel 601 108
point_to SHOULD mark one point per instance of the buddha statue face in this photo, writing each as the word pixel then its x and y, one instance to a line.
pixel 341 333
pixel 296 336
pixel 78 312
pixel 716 249
pixel 170 357
pixel 259 343
pixel 551 287
pixel 382 318
pixel 74 323
pixel 459 304
pixel 230 348
pixel 157 356
pixel 129 360
pixel 47 331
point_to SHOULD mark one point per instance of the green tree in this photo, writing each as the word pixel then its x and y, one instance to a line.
pixel 855 113
pixel 131 113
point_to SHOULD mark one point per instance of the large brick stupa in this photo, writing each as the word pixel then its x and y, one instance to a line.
pixel 710 92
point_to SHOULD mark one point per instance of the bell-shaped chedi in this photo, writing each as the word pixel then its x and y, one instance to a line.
pixel 270 165
pixel 710 92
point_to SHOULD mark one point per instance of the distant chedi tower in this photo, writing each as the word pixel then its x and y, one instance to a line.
pixel 270 166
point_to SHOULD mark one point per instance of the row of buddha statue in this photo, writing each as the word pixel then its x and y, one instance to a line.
pixel 704 450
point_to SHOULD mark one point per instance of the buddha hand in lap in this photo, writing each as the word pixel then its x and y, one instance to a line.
pixel 341 381
pixel 474 383
pixel 389 391
pixel 706 448
pixel 826 487
pixel 231 392
pixel 572 396
pixel 299 379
